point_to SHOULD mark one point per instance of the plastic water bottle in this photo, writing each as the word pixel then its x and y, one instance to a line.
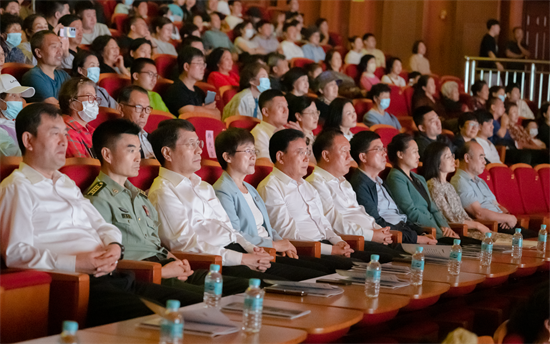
pixel 372 280
pixel 456 258
pixel 213 285
pixel 253 305
pixel 171 326
pixel 486 250
pixel 541 244
pixel 417 266
pixel 68 336
pixel 517 244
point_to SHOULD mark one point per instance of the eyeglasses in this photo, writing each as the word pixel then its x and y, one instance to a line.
pixel 194 144
pixel 140 108
pixel 151 75
pixel 378 150
pixel 314 114
pixel 304 152
pixel 250 151
pixel 91 99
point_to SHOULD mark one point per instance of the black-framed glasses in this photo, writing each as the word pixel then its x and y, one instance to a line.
pixel 91 99
pixel 140 108
pixel 249 151
pixel 151 75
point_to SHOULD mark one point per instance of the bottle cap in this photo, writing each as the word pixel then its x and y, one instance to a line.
pixel 173 304
pixel 70 326
pixel 419 249
pixel 254 282
pixel 488 235
pixel 456 242
pixel 542 226
pixel 214 267
pixel 374 257
pixel 518 230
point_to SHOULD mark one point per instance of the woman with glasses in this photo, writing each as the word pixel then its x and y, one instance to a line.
pixel 303 111
pixel 438 163
pixel 86 64
pixel 144 74
pixel 79 106
pixel 108 52
pixel 409 189
pixel 237 156
pixel 341 116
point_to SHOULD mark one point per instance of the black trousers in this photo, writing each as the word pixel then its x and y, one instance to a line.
pixel 463 241
pixel 386 254
pixel 116 297
pixel 277 270
pixel 527 233
pixel 195 283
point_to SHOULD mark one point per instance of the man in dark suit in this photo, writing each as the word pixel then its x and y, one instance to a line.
pixel 369 152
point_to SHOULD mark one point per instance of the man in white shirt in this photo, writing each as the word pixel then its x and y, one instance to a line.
pixel 486 126
pixel 191 216
pixel 294 206
pixel 513 95
pixel 288 47
pixel 133 103
pixel 90 27
pixel 369 42
pixel 47 224
pixel 274 108
pixel 347 217
pixel 236 16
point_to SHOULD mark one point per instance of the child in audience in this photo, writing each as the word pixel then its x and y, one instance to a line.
pixel 366 69
pixel 393 69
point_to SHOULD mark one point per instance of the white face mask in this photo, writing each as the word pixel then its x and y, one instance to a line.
pixel 89 111
pixel 533 132
pixel 248 33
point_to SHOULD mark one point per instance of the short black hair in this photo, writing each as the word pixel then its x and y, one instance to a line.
pixel 415 46
pixel 28 22
pixel 138 42
pixel 399 143
pixel 159 22
pixel 495 89
pixel 377 90
pixel 68 19
pixel 229 140
pixel 29 119
pixel 214 58
pixel 82 6
pixel 432 159
pixel 138 64
pixel 360 143
pixel 483 116
pixel 4 3
pixel 527 320
pixel 7 20
pixel 477 86
pixel 131 21
pixel 336 113
pixel 290 24
pixel 465 149
pixel 391 62
pixel 419 113
pixel 465 117
pixel 187 41
pixel 491 101
pixel 186 55
pixel 362 66
pixel 188 29
pixel 367 36
pixel 49 8
pixel 491 23
pixel 79 60
pixel 109 132
pixel 126 93
pixel 510 87
pixel 272 59
pixel 298 104
pixel 291 76
pixel 324 141
pixel 261 23
pixel 166 135
pixel 509 105
pixel 267 96
pixel 280 140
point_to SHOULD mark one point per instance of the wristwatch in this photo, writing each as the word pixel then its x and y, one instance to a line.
pixel 121 249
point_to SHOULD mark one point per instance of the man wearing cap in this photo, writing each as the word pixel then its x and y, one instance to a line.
pixel 11 103
pixel 326 85
pixel 47 47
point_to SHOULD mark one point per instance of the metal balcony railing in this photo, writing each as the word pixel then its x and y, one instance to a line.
pixel 534 79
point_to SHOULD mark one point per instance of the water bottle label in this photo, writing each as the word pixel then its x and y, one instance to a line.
pixel 213 287
pixel 255 304
pixel 417 264
pixel 542 237
pixel 373 275
pixel 172 329
pixel 517 242
pixel 456 256
pixel 487 247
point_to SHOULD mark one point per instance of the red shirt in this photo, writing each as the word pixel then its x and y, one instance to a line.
pixel 219 80
pixel 79 143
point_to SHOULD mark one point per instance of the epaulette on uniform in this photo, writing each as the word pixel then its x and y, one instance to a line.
pixel 95 189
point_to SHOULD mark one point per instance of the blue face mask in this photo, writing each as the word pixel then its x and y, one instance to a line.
pixel 129 2
pixel 385 103
pixel 503 98
pixel 264 85
pixel 13 109
pixel 93 74
pixel 172 18
pixel 13 39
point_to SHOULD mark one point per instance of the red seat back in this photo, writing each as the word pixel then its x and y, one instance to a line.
pixel 207 128
pixel 398 104
pixel 229 94
pixel 115 33
pixel 162 86
pixel 506 189
pixel 165 64
pixel 260 173
pixel 543 171
pixel 362 106
pixel 8 164
pixel 530 189
pixel 336 38
pixel 155 118
pixel 210 171
pixel 207 87
pixel 148 171
pixel 244 122
pixel 358 128
pixel 104 115
pixel 486 176
pixel 386 132
pixel 82 171
pixel 379 72
pixel 301 62
pixel 352 71
pixel 119 20
pixel 16 69
pixel 113 83
pixel 108 9
pixel 408 93
pixel 386 171
pixel 152 9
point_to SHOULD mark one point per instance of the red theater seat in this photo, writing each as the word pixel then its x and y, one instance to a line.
pixel 263 169
pixel 543 171
pixel 210 171
pixel 104 114
pixel 359 127
pixel 207 128
pixel 165 64
pixel 352 71
pixel 115 33
pixel 228 92
pixel 155 118
pixel 362 106
pixel 16 69
pixel 148 171
pixel 530 189
pixel 113 83
pixel 245 122
pixel 398 105
pixel 408 93
pixel 386 132
pixel 8 164
pixel 119 19
pixel 207 87
pixel 379 72
pixel 82 171
pixel 162 86
pixel 301 62
pixel 486 176
pixel 506 188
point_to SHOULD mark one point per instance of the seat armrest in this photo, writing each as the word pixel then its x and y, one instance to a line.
pixel 200 260
pixel 396 237
pixel 492 225
pixel 272 252
pixel 69 293
pixel 430 231
pixel 356 242
pixel 307 248
pixel 536 220
pixel 459 228
pixel 523 220
pixel 501 152
pixel 144 271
